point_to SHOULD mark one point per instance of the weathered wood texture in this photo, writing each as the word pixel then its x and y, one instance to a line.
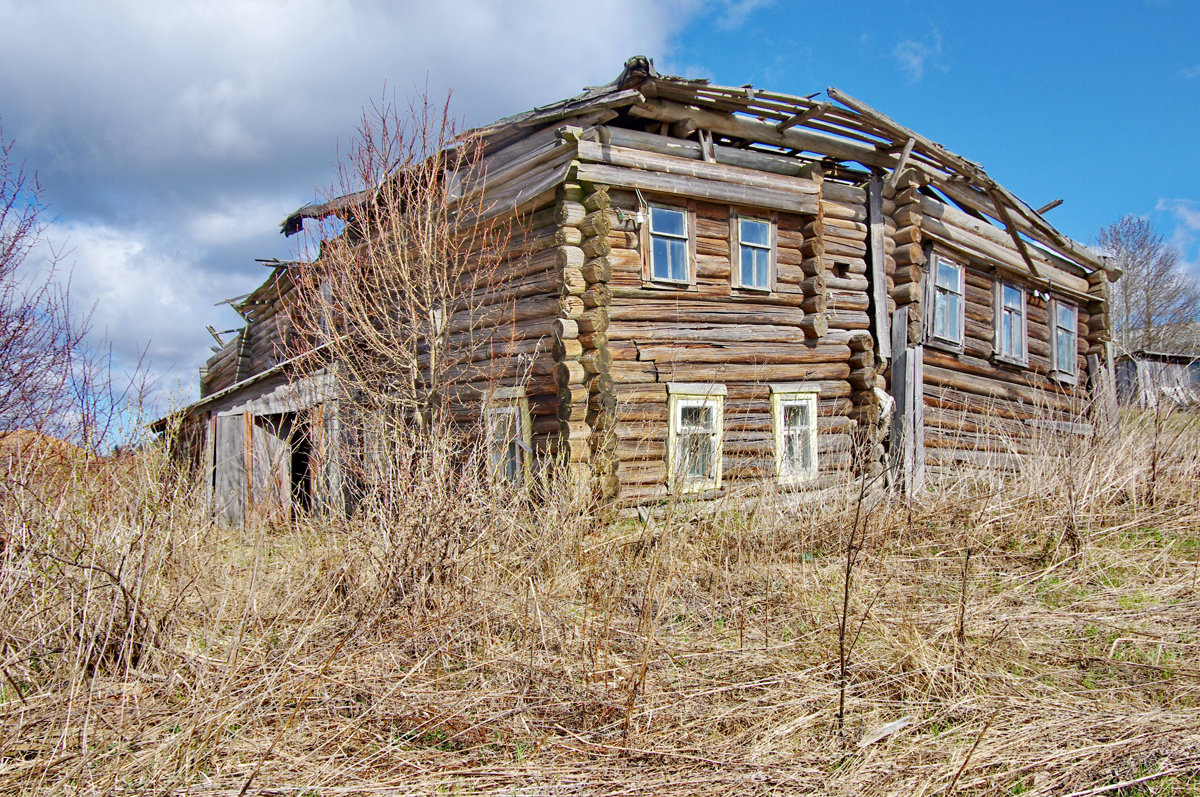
pixel 715 333
pixel 980 411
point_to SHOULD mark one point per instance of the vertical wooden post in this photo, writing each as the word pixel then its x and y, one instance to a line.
pixel 916 387
pixel 875 253
pixel 248 462
pixel 899 393
pixel 210 476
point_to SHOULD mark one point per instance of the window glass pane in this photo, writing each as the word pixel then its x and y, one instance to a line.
pixel 1006 333
pixel 1066 317
pixel 941 326
pixel 679 270
pixel 953 316
pixel 660 258
pixel 755 267
pixel 762 266
pixel 668 221
pixel 755 232
pixel 948 276
pixel 1012 298
pixel 696 455
pixel 1066 351
pixel 695 417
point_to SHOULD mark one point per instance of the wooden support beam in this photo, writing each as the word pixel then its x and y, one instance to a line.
pixel 894 177
pixel 1049 206
pixel 1016 236
pixel 815 112
pixel 931 149
pixel 875 268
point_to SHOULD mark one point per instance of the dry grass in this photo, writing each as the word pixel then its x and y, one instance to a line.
pixel 1040 632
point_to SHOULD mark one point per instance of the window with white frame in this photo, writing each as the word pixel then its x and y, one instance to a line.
pixel 1066 345
pixel 948 302
pixel 669 245
pixel 755 252
pixel 694 436
pixel 1010 323
pixel 508 429
pixel 794 419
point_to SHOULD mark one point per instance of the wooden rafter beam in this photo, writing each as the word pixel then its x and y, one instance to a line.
pixel 1032 221
pixel 894 177
pixel 815 112
pixel 1049 206
pixel 1014 234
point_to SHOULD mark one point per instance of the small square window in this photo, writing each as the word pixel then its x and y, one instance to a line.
pixel 755 251
pixel 794 418
pixel 508 432
pixel 694 439
pixel 1066 344
pixel 1010 323
pixel 948 302
pixel 669 244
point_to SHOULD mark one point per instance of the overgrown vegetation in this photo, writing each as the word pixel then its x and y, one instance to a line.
pixel 1038 633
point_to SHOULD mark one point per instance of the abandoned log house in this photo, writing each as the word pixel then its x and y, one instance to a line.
pixel 724 289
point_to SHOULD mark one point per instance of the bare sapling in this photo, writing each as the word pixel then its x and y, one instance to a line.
pixel 406 304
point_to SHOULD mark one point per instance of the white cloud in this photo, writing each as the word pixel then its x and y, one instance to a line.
pixel 1184 217
pixel 915 55
pixel 172 138
pixel 733 13
pixel 1191 73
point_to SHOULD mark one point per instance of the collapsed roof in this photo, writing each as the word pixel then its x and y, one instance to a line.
pixel 839 131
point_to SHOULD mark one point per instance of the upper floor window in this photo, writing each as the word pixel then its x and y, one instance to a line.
pixel 669 244
pixel 794 418
pixel 1010 323
pixel 1066 346
pixel 755 252
pixel 694 436
pixel 948 303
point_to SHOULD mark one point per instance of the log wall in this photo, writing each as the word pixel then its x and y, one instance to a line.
pixel 813 327
pixel 979 411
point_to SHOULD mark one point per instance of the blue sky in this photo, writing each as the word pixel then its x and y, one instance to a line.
pixel 172 138
pixel 1094 103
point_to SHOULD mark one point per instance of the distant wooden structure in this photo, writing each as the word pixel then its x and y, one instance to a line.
pixel 1146 378
pixel 723 289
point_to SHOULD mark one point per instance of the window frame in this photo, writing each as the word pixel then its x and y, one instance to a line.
pixel 679 396
pixel 999 309
pixel 1068 375
pixel 505 402
pixel 794 394
pixel 689 238
pixel 736 217
pixel 952 343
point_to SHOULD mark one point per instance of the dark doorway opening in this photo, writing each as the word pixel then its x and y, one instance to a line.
pixel 302 481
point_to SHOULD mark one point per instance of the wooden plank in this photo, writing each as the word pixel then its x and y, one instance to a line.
pixel 669 164
pixel 876 268
pixel 697 188
pixel 916 388
pixel 894 178
pixel 248 462
pixel 899 393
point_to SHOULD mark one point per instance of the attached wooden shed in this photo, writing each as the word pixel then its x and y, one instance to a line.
pixel 733 289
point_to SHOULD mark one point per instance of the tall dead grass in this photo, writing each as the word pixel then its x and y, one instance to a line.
pixel 1034 633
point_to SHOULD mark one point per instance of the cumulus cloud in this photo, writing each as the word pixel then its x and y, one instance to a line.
pixel 914 56
pixel 1184 218
pixel 733 13
pixel 171 138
